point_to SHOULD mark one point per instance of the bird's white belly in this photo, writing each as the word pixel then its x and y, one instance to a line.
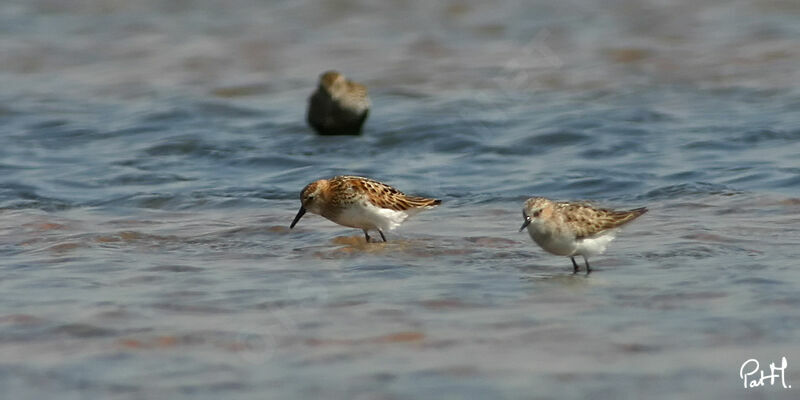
pixel 564 243
pixel 595 245
pixel 368 216
pixel 555 243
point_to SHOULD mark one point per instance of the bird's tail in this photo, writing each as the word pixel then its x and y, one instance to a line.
pixel 624 217
pixel 423 202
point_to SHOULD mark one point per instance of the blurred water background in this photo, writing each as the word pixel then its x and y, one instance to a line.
pixel 152 154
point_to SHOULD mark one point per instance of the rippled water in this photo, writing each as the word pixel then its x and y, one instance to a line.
pixel 152 155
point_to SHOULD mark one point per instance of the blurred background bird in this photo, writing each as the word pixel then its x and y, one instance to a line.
pixel 338 106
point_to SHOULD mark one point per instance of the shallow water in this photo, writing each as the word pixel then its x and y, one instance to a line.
pixel 153 153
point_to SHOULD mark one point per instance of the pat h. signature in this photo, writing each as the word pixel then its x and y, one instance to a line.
pixel 750 368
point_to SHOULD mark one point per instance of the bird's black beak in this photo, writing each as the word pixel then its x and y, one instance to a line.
pixel 298 216
pixel 526 223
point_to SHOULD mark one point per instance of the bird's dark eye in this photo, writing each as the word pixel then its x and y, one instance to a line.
pixel 536 213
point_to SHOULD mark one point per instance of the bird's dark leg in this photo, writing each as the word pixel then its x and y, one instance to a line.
pixel 366 235
pixel 588 268
pixel 574 265
pixel 382 237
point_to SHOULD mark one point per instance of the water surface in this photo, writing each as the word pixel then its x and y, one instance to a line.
pixel 152 155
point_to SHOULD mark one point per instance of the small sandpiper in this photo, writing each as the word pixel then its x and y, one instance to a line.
pixel 338 106
pixel 360 203
pixel 572 229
